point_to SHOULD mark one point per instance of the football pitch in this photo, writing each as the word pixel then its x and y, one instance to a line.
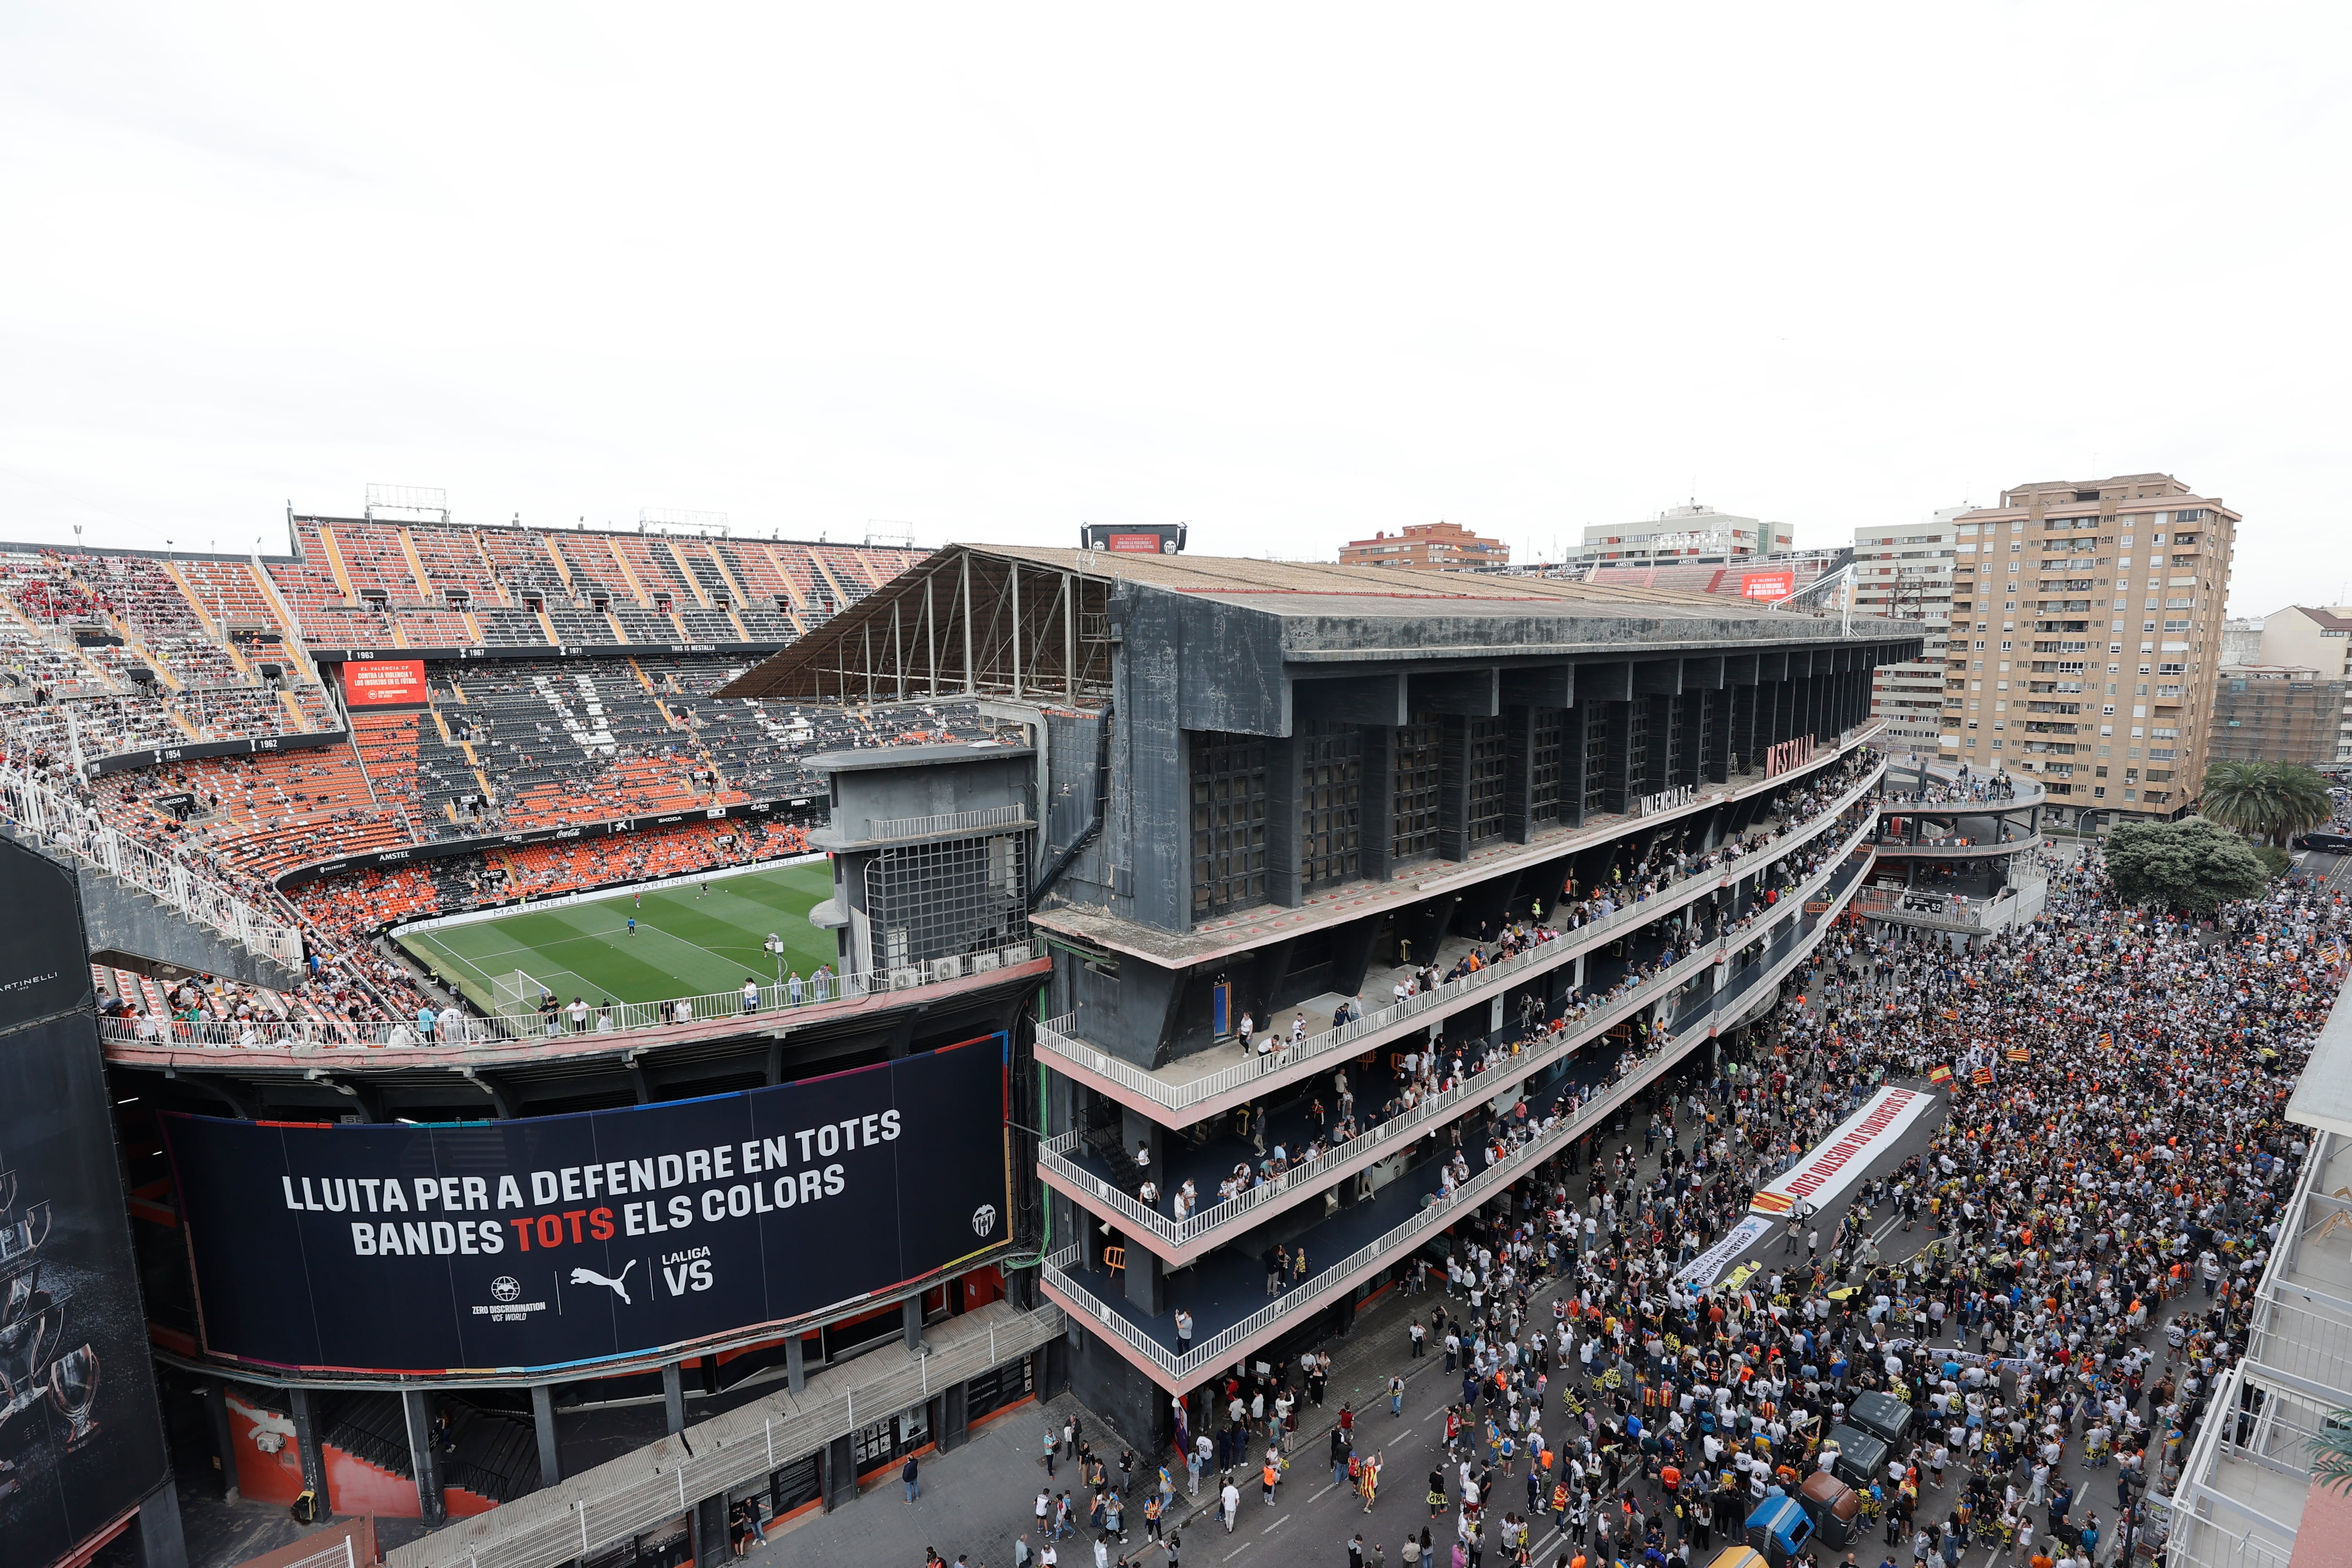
pixel 687 943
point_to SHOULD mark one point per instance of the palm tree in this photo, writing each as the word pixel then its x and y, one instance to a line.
pixel 2273 800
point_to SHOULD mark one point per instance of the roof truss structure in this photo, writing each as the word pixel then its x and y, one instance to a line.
pixel 963 623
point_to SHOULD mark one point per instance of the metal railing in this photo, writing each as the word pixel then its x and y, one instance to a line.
pixel 1943 912
pixel 713 1465
pixel 40 812
pixel 1430 1219
pixel 2210 1528
pixel 1057 1036
pixel 1600 1014
pixel 596 1024
pixel 946 822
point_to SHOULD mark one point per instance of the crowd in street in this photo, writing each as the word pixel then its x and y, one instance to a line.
pixel 2065 1272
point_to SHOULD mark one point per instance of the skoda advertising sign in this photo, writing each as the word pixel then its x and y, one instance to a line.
pixel 565 1240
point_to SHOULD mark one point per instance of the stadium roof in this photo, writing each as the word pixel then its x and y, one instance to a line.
pixel 1035 622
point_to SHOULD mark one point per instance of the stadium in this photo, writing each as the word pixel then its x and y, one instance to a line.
pixel 617 1041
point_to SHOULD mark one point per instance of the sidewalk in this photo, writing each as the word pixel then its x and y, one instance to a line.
pixel 974 1501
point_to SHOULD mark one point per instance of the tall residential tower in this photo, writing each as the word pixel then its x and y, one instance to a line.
pixel 2087 637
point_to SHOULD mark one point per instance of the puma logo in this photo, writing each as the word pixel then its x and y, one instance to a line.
pixel 590 1276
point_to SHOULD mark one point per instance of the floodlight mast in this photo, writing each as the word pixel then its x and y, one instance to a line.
pixel 407 503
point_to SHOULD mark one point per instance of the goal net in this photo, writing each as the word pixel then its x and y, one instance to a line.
pixel 515 995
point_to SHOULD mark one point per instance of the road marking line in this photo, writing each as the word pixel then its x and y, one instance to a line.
pixel 1237 1551
pixel 1284 1520
pixel 1319 1496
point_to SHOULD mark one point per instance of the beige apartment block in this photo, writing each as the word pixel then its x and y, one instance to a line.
pixel 2317 638
pixel 2086 640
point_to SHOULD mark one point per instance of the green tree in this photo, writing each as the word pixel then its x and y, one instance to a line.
pixel 2271 800
pixel 2333 1468
pixel 2194 866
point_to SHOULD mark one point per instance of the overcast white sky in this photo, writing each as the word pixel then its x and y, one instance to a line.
pixel 1288 274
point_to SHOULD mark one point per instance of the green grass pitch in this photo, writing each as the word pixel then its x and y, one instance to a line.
pixel 686 945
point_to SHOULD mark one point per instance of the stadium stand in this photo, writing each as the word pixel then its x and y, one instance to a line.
pixel 106 655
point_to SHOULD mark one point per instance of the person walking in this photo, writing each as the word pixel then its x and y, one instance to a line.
pixel 906 1477
pixel 1229 1497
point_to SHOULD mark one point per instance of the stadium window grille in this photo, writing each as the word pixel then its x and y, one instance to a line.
pixel 1331 795
pixel 794 1485
pixel 1489 743
pixel 1543 794
pixel 927 901
pixel 1596 757
pixel 1228 824
pixel 999 1386
pixel 1418 770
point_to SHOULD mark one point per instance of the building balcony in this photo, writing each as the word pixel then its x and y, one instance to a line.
pixel 2005 910
pixel 1225 1291
pixel 1229 936
pixel 2013 840
pixel 1206 1083
pixel 1066 1165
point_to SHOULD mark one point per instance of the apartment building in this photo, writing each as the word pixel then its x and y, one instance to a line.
pixel 2268 713
pixel 1427 547
pixel 2086 640
pixel 2318 638
pixel 1692 535
pixel 1905 574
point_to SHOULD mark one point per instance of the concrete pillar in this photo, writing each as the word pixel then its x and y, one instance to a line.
pixel 423 1454
pixel 710 1543
pixel 796 1363
pixel 224 1436
pixel 1146 1280
pixel 162 1542
pixel 302 1407
pixel 674 1396
pixel 911 1314
pixel 840 1474
pixel 542 1420
pixel 1133 1128
pixel 952 1427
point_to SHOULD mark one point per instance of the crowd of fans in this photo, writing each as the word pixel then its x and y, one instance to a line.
pixel 2082 1236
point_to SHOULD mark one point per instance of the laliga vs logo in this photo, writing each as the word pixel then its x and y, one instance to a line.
pixel 983 1219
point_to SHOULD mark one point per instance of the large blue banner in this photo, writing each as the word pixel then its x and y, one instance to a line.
pixel 569 1240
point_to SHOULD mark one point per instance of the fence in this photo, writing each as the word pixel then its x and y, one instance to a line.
pixel 1057 1036
pixel 42 814
pixel 1398 1131
pixel 946 822
pixel 716 1462
pixel 1433 1217
pixel 453 1028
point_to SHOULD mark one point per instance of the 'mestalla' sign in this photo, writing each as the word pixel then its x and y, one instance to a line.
pixel 566 1239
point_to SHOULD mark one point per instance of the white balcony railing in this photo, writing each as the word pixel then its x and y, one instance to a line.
pixel 1058 1037
pixel 1600 1014
pixel 39 813
pixel 947 821
pixel 775 1003
pixel 1221 1348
